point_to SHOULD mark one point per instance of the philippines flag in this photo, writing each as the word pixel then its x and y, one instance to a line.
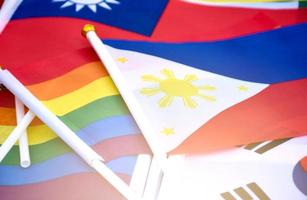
pixel 202 96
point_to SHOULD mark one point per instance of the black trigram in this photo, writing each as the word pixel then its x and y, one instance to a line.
pixel 245 194
pixel 262 147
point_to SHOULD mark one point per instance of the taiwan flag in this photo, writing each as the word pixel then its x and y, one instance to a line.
pixel 49 34
pixel 136 16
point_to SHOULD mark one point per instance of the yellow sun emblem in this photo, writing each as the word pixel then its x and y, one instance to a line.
pixel 173 87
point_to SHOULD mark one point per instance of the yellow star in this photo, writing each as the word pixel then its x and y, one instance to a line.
pixel 168 131
pixel 242 88
pixel 122 60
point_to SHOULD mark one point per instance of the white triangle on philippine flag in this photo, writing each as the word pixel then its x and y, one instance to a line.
pixel 178 99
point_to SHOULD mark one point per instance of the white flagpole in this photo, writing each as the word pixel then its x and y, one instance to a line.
pixel 140 172
pixel 23 139
pixel 7 10
pixel 16 133
pixel 134 107
pixel 68 136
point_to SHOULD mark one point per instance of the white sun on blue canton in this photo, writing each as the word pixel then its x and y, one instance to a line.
pixel 91 4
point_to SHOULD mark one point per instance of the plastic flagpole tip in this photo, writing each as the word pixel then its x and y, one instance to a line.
pixel 25 163
pixel 87 28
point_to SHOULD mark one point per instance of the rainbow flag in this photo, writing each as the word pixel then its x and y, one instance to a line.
pixel 83 96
